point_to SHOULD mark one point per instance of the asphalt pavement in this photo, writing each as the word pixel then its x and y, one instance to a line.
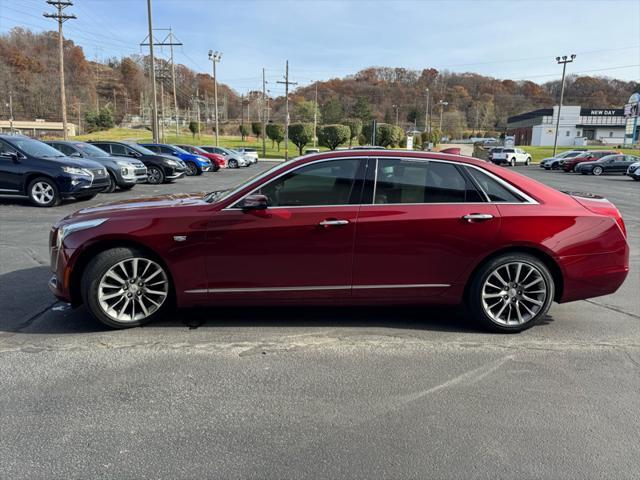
pixel 313 393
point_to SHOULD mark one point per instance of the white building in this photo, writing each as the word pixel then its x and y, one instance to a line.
pixel 577 126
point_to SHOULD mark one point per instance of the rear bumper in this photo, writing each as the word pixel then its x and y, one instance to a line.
pixel 588 276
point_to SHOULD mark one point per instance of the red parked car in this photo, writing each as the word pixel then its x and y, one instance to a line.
pixel 349 227
pixel 214 157
pixel 569 164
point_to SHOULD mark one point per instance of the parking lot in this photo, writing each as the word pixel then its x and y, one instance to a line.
pixel 308 393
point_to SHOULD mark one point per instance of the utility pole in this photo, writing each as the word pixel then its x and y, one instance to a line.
pixel 10 112
pixel 215 57
pixel 61 18
pixel 198 110
pixel 315 118
pixel 426 114
pixel 563 61
pixel 286 95
pixel 397 108
pixel 169 41
pixel 264 116
pixel 242 116
pixel 154 102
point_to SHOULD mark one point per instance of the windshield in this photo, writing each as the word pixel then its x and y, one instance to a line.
pixel 91 150
pixel 218 195
pixel 35 148
pixel 140 149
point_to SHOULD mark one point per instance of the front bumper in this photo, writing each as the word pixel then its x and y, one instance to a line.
pixel 175 176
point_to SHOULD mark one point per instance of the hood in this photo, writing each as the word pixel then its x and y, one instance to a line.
pixel 138 205
pixel 74 162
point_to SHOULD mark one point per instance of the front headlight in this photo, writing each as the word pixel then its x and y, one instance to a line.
pixel 70 228
pixel 77 171
pixel 172 163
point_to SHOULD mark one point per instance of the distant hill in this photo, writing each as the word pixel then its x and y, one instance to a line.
pixel 28 68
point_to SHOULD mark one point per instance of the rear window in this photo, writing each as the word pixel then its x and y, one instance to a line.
pixel 494 189
pixel 509 150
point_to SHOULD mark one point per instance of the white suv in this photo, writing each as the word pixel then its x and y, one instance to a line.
pixel 250 154
pixel 510 156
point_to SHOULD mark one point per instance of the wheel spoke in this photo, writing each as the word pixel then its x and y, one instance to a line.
pixel 496 274
pixel 112 295
pixel 532 283
pixel 531 300
pixel 517 307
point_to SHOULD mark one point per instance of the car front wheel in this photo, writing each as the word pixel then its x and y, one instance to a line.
pixel 155 175
pixel 511 293
pixel 43 192
pixel 597 171
pixel 233 163
pixel 512 162
pixel 192 169
pixel 527 161
pixel 125 287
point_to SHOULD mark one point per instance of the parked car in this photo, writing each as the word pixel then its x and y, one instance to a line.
pixel 124 172
pixel 196 164
pixel 460 231
pixel 160 168
pixel 250 154
pixel 553 163
pixel 36 170
pixel 608 164
pixel 634 171
pixel 217 161
pixel 233 159
pixel 569 164
pixel 510 156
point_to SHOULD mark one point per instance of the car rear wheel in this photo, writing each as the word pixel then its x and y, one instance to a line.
pixel 125 287
pixel 43 192
pixel 155 175
pixel 233 163
pixel 513 162
pixel 597 170
pixel 511 293
pixel 192 169
pixel 527 161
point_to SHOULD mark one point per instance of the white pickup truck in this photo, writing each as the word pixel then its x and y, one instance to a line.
pixel 510 156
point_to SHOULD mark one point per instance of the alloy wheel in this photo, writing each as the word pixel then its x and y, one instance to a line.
pixel 514 293
pixel 154 175
pixel 597 170
pixel 191 169
pixel 42 192
pixel 133 289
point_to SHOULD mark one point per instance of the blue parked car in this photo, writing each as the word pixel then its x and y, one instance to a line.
pixel 34 169
pixel 195 163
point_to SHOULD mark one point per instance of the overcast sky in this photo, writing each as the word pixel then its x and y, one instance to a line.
pixel 325 39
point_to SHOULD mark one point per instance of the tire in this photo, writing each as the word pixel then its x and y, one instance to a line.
pixel 112 185
pixel 527 161
pixel 43 192
pixel 192 169
pixel 107 292
pixel 486 287
pixel 233 163
pixel 513 162
pixel 597 171
pixel 155 175
pixel 127 186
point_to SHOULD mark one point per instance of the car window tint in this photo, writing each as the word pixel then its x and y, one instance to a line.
pixel 414 181
pixel 494 190
pixel 66 149
pixel 325 183
pixel 5 148
pixel 118 149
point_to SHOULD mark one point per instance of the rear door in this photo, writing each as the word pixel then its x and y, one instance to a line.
pixel 11 171
pixel 425 223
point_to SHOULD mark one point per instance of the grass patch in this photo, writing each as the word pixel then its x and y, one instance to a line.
pixel 230 141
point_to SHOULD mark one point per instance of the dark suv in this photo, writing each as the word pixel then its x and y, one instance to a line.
pixel 160 168
pixel 124 172
pixel 36 170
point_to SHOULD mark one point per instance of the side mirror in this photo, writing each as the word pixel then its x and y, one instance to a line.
pixel 254 202
pixel 10 156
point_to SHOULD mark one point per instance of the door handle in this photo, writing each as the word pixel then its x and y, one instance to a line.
pixel 477 217
pixel 331 222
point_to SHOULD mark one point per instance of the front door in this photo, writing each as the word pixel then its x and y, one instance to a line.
pixel 300 247
pixel 426 225
pixel 11 171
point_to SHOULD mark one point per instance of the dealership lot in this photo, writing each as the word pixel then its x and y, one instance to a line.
pixel 303 393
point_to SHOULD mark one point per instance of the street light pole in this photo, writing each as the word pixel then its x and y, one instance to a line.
pixel 397 107
pixel 215 57
pixel 426 113
pixel 564 60
pixel 442 105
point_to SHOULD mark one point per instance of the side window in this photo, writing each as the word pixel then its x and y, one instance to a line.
pixel 66 149
pixel 494 190
pixel 167 150
pixel 324 183
pixel 5 148
pixel 118 149
pixel 419 181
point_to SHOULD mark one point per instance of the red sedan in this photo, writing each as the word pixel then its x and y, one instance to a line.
pixel 349 227
pixel 569 165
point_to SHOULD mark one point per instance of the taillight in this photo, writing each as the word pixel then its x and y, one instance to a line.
pixel 620 223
